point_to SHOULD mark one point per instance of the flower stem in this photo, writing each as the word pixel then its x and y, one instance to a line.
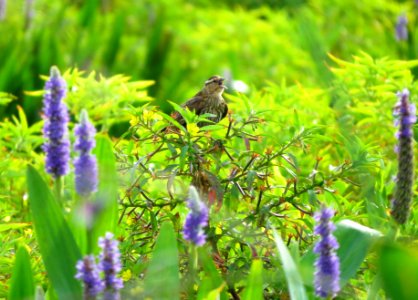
pixel 58 189
pixel 193 265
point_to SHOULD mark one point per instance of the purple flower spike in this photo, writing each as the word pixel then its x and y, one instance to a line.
pixel 85 164
pixel 3 4
pixel 327 265
pixel 57 146
pixel 401 29
pixel 196 220
pixel 88 273
pixel 406 113
pixel 109 263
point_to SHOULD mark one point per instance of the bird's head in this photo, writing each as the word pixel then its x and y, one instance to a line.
pixel 214 85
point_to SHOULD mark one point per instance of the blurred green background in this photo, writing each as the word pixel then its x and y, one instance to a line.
pixel 179 44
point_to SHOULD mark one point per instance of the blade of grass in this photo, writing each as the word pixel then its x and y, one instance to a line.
pixel 56 243
pixel 293 277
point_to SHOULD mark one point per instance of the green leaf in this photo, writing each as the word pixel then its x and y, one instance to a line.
pixel 212 282
pixel 188 115
pixel 212 127
pixel 254 289
pixel 22 285
pixel 56 243
pixel 9 226
pixel 355 241
pixel 399 270
pixel 162 279
pixel 215 294
pixel 107 194
pixel 293 277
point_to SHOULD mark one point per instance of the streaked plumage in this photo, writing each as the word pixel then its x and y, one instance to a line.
pixel 207 100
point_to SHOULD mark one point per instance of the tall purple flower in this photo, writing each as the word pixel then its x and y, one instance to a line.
pixel 29 13
pixel 57 146
pixel 327 265
pixel 196 220
pixel 406 113
pixel 401 28
pixel 85 164
pixel 109 263
pixel 88 273
pixel 3 4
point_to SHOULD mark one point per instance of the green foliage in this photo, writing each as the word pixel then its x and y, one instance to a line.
pixel 54 237
pixel 314 127
pixel 254 288
pixel 355 241
pixel 399 270
pixel 106 199
pixel 22 286
pixel 163 270
pixel 178 43
pixel 212 282
pixel 294 280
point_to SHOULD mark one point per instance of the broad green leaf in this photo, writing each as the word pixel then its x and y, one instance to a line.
pixel 254 287
pixel 56 243
pixel 107 195
pixel 22 285
pixel 293 277
pixel 355 241
pixel 212 282
pixel 162 279
pixel 399 270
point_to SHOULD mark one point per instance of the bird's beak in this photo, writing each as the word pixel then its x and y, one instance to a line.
pixel 223 85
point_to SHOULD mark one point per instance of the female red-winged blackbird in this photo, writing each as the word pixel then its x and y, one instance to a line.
pixel 207 100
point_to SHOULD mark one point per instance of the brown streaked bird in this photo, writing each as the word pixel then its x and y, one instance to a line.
pixel 208 100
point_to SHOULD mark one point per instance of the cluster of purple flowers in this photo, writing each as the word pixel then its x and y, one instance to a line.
pixel 406 117
pixel 327 265
pixel 109 264
pixel 88 273
pixel 85 164
pixel 196 220
pixel 57 146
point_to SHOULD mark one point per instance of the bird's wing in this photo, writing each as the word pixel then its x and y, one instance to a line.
pixel 225 111
pixel 195 104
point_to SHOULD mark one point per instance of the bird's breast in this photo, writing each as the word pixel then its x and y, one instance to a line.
pixel 215 106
